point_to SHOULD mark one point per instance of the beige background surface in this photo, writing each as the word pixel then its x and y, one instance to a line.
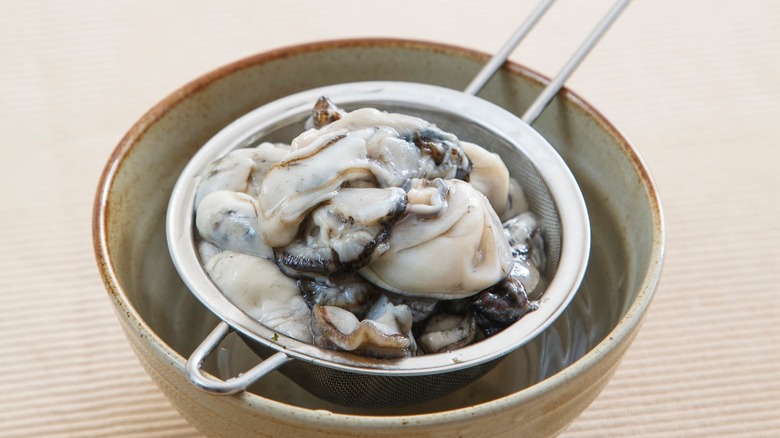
pixel 695 84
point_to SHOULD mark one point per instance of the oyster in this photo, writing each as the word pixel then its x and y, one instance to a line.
pixel 449 245
pixel 525 236
pixel 421 308
pixel 241 170
pixel 349 292
pixel 258 288
pixel 206 251
pixel 364 147
pixel 324 113
pixel 489 176
pixel 446 332
pixel 499 306
pixel 386 330
pixel 516 201
pixel 343 235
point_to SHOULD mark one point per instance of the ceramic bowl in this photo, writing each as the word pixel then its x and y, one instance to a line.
pixel 537 390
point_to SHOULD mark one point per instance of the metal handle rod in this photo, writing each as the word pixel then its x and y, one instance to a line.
pixel 500 57
pixel 233 385
pixel 553 87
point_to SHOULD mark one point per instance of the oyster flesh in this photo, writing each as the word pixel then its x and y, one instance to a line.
pixel 450 245
pixel 257 287
pixel 386 330
pixel 365 147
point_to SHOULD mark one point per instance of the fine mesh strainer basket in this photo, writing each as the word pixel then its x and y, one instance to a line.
pixel 352 380
pixel 357 381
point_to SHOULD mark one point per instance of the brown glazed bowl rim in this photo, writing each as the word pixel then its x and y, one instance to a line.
pixel 613 340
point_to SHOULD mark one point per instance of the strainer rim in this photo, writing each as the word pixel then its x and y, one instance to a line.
pixel 574 221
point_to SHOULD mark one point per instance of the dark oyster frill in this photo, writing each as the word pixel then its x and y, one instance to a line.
pixel 342 235
pixel 496 307
pixel 386 331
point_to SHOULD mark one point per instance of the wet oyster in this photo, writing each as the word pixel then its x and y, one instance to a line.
pixel 517 203
pixel 488 175
pixel 499 306
pixel 525 237
pixel 324 113
pixel 258 288
pixel 228 220
pixel 349 292
pixel 366 147
pixel 421 308
pixel 386 330
pixel 206 251
pixel 449 245
pixel 344 234
pixel 241 170
pixel 447 332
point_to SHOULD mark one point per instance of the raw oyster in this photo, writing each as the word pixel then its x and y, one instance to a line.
pixel 525 236
pixel 364 147
pixel 229 221
pixel 499 306
pixel 349 292
pixel 421 308
pixel 489 175
pixel 516 201
pixel 449 245
pixel 446 332
pixel 324 113
pixel 258 288
pixel 386 330
pixel 241 170
pixel 206 251
pixel 344 234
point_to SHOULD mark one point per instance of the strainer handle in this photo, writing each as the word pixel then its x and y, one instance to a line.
pixel 555 85
pixel 232 385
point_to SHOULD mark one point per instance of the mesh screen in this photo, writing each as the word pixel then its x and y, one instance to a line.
pixel 374 391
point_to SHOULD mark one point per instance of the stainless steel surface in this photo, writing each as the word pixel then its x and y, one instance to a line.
pixel 501 56
pixel 555 85
pixel 233 385
pixel 541 102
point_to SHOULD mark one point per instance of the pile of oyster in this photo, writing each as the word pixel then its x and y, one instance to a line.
pixel 372 233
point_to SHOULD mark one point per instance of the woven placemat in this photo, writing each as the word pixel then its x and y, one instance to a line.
pixel 693 84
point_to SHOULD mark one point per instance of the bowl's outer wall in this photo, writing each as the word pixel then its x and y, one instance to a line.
pixel 136 185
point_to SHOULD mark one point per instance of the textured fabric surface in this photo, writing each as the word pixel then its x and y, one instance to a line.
pixel 694 84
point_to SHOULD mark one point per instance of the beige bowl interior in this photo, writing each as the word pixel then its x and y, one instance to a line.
pixel 538 389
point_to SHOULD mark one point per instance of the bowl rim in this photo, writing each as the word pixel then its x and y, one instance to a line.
pixel 619 335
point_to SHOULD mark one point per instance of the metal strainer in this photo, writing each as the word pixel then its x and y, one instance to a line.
pixel 357 381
